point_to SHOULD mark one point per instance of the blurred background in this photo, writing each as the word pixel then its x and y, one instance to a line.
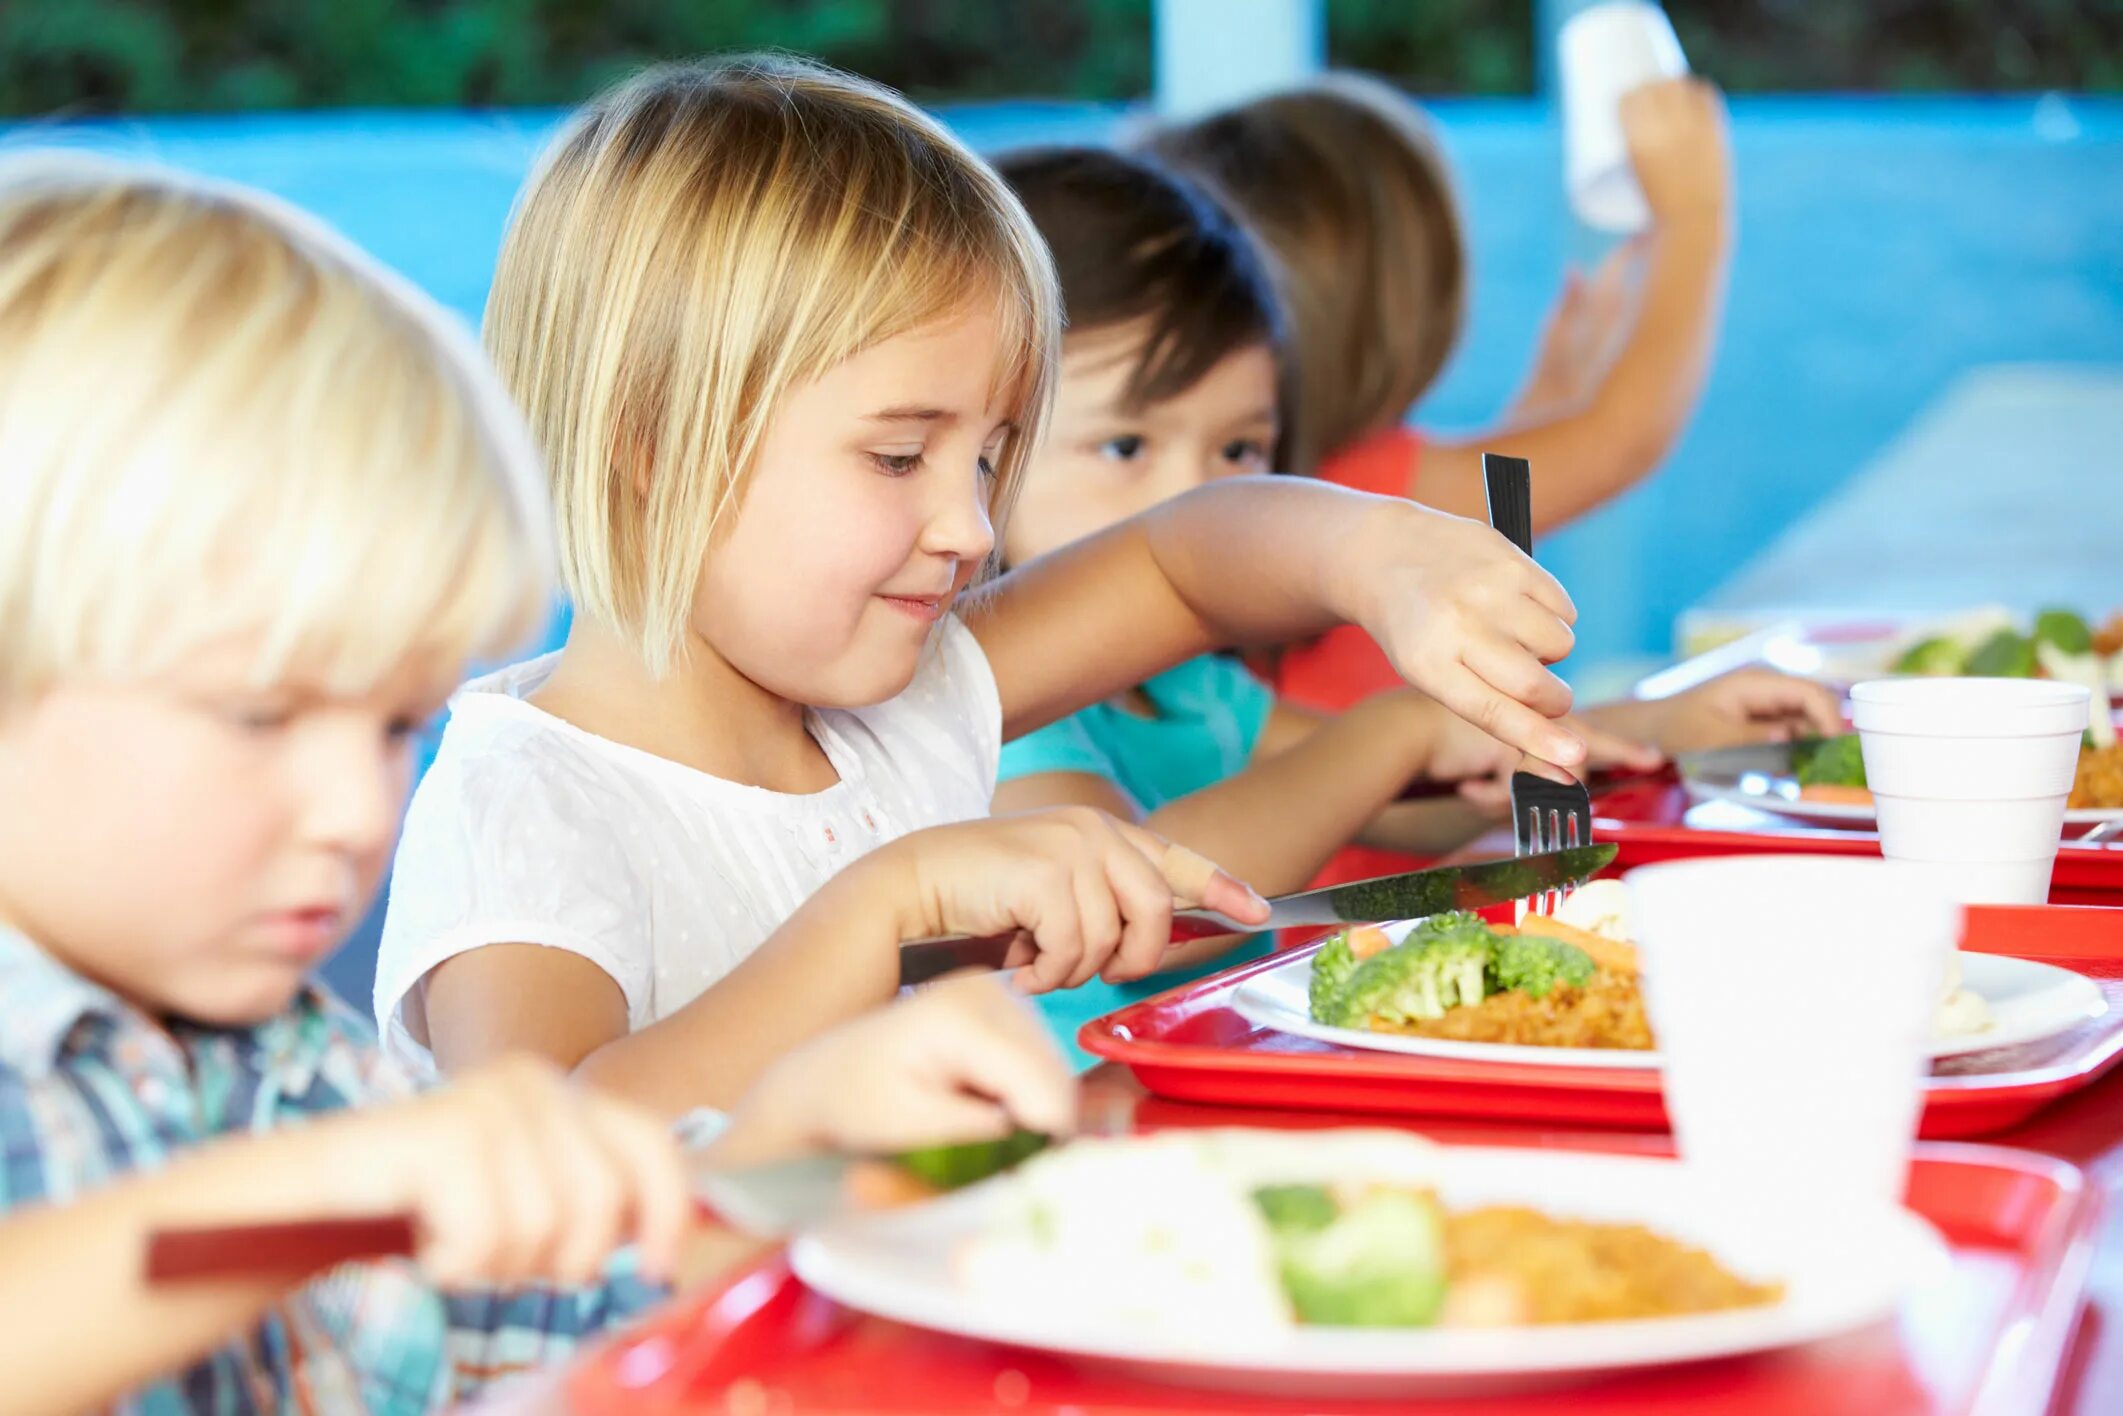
pixel 1924 338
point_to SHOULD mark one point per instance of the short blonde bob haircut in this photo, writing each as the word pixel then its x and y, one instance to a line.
pixel 1345 183
pixel 699 242
pixel 219 419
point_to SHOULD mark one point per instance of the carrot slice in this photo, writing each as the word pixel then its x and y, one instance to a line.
pixel 1609 954
pixel 1836 794
pixel 1368 939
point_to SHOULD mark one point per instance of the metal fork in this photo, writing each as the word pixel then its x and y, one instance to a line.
pixel 1546 814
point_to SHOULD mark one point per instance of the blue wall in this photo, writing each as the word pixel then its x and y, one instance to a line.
pixel 1885 245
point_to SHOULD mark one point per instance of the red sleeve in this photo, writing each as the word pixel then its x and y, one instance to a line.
pixel 1343 666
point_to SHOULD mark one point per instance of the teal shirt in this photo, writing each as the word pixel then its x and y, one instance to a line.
pixel 1210 713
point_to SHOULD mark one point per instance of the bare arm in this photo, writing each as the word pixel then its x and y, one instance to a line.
pixel 832 959
pixel 1275 823
pixel 1637 411
pixel 1461 614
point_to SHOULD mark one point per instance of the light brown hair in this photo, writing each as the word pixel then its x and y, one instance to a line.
pixel 1344 180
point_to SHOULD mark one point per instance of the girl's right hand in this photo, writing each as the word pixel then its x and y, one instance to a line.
pixel 1092 896
pixel 516 1174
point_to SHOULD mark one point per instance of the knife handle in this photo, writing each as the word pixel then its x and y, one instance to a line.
pixel 284 1248
pixel 925 960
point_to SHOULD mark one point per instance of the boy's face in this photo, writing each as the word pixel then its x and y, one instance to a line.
pixel 195 844
pixel 1104 461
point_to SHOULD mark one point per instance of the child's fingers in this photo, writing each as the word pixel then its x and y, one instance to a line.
pixel 1509 669
pixel 1546 591
pixel 660 1199
pixel 592 1190
pixel 1004 1053
pixel 1052 919
pixel 1235 899
pixel 1605 749
pixel 1505 718
pixel 1531 624
pixel 1141 871
pixel 1098 915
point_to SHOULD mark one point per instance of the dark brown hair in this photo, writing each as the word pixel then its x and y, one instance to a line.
pixel 1134 242
pixel 1344 181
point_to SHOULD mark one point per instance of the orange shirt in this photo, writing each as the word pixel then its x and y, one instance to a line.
pixel 1345 665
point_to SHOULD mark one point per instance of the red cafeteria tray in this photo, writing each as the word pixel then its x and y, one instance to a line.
pixel 1191 1045
pixel 1651 819
pixel 1989 1339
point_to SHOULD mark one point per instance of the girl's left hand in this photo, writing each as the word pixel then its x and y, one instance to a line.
pixel 1467 619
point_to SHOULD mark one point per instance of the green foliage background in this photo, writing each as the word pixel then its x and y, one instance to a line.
pixel 162 56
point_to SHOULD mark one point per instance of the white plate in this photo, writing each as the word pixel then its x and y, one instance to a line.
pixel 1759 777
pixel 900 1265
pixel 1780 795
pixel 2028 1001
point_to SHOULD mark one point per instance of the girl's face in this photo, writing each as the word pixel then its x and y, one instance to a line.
pixel 866 514
pixel 1104 461
pixel 196 844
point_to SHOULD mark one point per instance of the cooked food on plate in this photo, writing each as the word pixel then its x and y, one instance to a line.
pixel 1833 770
pixel 2061 645
pixel 1542 983
pixel 1567 981
pixel 1258 1231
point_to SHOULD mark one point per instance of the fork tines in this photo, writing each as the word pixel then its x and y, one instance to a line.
pixel 1548 816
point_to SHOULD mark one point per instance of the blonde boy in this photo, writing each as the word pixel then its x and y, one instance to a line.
pixel 258 503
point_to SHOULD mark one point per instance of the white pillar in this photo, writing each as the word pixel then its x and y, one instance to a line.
pixel 1214 53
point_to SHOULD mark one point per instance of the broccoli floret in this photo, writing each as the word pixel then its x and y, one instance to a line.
pixel 2066 630
pixel 1418 978
pixel 1939 656
pixel 2004 655
pixel 1829 762
pixel 1331 968
pixel 1378 1262
pixel 1533 965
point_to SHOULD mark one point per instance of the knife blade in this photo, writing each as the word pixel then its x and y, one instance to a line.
pixel 1412 895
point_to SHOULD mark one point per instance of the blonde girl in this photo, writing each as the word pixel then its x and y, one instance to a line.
pixel 787 347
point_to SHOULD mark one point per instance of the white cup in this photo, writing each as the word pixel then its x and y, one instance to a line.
pixel 1793 997
pixel 1970 777
pixel 1603 53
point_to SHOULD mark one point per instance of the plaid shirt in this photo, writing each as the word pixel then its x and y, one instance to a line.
pixel 92 1089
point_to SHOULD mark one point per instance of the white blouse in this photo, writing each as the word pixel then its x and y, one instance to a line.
pixel 530 830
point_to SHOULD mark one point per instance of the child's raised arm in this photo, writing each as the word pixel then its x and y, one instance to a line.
pixel 1636 411
pixel 1462 615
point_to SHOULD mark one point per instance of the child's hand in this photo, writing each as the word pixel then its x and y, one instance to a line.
pixel 1745 706
pixel 516 1173
pixel 962 1060
pixel 1582 334
pixel 1092 896
pixel 1470 621
pixel 1677 144
pixel 1491 791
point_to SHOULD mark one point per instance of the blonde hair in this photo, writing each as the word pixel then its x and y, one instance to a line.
pixel 218 418
pixel 1345 182
pixel 697 243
